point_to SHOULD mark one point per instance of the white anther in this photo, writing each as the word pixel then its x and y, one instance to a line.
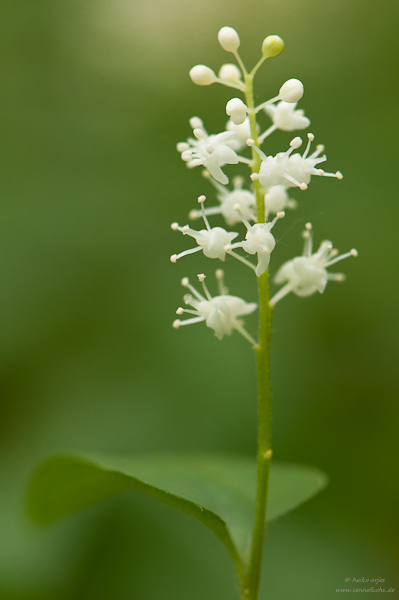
pixel 201 277
pixel 227 248
pixel 219 274
pixel 250 142
pixel 180 311
pixel 303 186
pixel 185 229
pixel 182 146
pixel 173 258
pixel 175 226
pixel 185 282
pixel 338 175
pixel 196 123
pixel 280 214
pixel 320 147
pixel 187 298
pixel 321 171
pixel 198 133
pixel 194 214
pixel 236 206
pixel 311 136
pixel 296 143
pixel 308 226
pixel 254 176
pixel 201 199
pixel 176 324
pixel 354 252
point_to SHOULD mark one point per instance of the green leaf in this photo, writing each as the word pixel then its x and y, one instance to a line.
pixel 218 491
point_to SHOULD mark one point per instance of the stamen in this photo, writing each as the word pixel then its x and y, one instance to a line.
pixel 188 322
pixel 310 140
pixel 201 278
pixel 251 143
pixel 245 334
pixel 266 133
pixel 176 257
pixel 237 208
pixel 201 200
pixel 241 259
pixel 185 283
pixel 198 133
pixel 286 289
pixel 220 279
pixel 353 252
pixel 175 226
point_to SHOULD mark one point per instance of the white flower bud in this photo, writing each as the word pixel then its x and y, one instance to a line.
pixel 272 46
pixel 291 90
pixel 230 72
pixel 229 39
pixel 237 110
pixel 202 75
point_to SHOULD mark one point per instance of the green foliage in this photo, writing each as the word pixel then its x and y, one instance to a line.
pixel 218 491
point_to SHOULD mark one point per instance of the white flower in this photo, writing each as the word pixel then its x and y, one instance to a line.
pixel 212 240
pixel 243 132
pixel 292 170
pixel 285 117
pixel 277 199
pixel 307 274
pixel 221 313
pixel 202 75
pixel 229 72
pixel 237 110
pixel 212 151
pixel 258 240
pixel 228 201
pixel 291 90
pixel 229 39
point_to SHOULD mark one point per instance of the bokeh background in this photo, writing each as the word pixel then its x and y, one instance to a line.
pixel 94 96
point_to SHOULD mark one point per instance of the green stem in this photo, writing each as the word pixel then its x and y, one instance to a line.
pixel 252 577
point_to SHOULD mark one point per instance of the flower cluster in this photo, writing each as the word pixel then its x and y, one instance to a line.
pixel 251 205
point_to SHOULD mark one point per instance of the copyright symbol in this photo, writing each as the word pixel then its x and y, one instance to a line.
pixel 347 579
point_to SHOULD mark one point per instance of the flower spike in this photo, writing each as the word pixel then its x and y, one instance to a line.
pixel 307 274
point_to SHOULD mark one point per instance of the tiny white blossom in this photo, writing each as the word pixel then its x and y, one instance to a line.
pixel 285 117
pixel 258 240
pixel 228 201
pixel 291 90
pixel 243 132
pixel 277 199
pixel 212 240
pixel 221 313
pixel 212 151
pixel 202 75
pixel 292 170
pixel 237 110
pixel 307 274
pixel 229 39
pixel 229 72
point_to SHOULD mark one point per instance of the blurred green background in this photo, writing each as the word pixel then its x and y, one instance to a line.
pixel 94 96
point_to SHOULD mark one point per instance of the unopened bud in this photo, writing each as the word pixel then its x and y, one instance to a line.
pixel 237 110
pixel 230 72
pixel 229 39
pixel 291 90
pixel 272 46
pixel 202 75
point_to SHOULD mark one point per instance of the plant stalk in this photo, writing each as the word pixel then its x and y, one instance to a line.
pixel 264 452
